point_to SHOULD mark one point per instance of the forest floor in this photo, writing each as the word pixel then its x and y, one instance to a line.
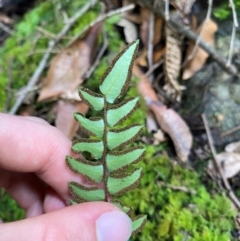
pixel 187 75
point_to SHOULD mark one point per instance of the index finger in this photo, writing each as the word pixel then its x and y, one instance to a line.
pixel 34 146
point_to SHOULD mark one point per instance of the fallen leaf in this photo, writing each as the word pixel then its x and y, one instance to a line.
pixel 200 57
pixel 68 68
pixel 144 27
pixel 230 163
pixel 129 29
pixel 151 123
pixel 159 137
pixel 169 120
pixel 233 147
pixel 65 120
pixel 158 54
pixel 142 58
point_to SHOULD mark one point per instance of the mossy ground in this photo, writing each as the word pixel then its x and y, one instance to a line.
pixel 178 215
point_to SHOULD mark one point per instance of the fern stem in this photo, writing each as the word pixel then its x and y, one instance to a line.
pixel 105 173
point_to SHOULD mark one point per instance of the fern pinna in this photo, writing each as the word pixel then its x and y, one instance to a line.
pixel 108 146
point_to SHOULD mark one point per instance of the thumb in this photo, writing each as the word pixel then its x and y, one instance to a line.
pixel 95 221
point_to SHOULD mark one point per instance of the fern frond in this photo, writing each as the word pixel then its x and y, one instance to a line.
pixel 107 144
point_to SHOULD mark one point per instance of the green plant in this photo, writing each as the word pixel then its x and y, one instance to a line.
pixel 112 149
pixel 9 209
pixel 224 10
pixel 191 213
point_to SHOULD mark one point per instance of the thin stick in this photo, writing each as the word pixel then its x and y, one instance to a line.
pixel 154 66
pixel 167 10
pixel 178 27
pixel 5 28
pixel 52 43
pixel 208 15
pixel 232 43
pixel 101 18
pixel 218 167
pixel 235 19
pixel 150 44
pixel 234 28
pixel 178 188
pixel 229 132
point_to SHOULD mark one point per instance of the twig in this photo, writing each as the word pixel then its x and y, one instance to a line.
pixel 42 51
pixel 230 55
pixel 167 10
pixel 46 56
pixel 178 27
pixel 218 167
pixel 234 28
pixel 99 56
pixel 150 43
pixel 154 66
pixel 101 18
pixel 235 19
pixel 229 132
pixel 178 188
pixel 208 15
pixel 5 28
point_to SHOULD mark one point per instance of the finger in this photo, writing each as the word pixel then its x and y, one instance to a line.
pixel 30 146
pixel 36 119
pixel 85 222
pixel 27 189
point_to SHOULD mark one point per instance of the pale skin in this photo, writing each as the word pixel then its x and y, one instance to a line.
pixel 34 173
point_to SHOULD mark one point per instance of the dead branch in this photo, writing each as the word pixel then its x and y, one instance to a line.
pixel 150 43
pixel 52 43
pixel 181 29
pixel 234 28
pixel 231 131
pixel 218 167
pixel 178 188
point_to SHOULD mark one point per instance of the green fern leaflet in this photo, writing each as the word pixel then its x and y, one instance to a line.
pixel 108 145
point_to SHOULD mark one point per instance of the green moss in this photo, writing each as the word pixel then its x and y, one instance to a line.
pixel 25 48
pixel 9 210
pixel 175 215
pixel 224 10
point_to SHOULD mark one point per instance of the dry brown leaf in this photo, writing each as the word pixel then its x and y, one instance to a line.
pixel 159 137
pixel 172 63
pixel 168 119
pixel 230 163
pixel 68 67
pixel 158 54
pixel 142 58
pixel 199 59
pixel 65 120
pixel 144 28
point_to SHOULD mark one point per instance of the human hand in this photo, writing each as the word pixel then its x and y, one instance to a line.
pixel 34 173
